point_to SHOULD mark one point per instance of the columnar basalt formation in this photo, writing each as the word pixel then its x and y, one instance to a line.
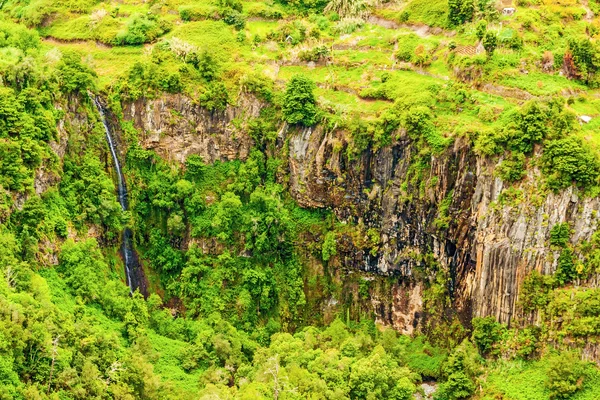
pixel 488 246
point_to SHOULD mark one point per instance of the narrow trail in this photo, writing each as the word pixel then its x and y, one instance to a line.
pixel 589 14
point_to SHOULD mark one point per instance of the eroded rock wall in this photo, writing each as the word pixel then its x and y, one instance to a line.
pixel 487 244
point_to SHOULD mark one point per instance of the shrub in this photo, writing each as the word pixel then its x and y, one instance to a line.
pixel 529 127
pixel 461 368
pixel 559 234
pixel 565 375
pixel 347 8
pixel 258 84
pixel 460 11
pixel 348 25
pixel 13 35
pixel 215 97
pixel 299 103
pixel 569 161
pixel 74 75
pixel 204 62
pixel 486 334
pixel 490 41
pixel 565 269
pixel 535 291
pixel 81 264
pixel 406 47
pixel 329 246
pixel 234 18
pixel 143 28
pixel 584 58
pixel 197 12
pixel 315 54
pixel 481 29
pixel 512 169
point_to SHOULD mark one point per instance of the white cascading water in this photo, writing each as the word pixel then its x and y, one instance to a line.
pixel 122 194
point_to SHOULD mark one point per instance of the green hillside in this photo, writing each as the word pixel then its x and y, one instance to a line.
pixel 260 255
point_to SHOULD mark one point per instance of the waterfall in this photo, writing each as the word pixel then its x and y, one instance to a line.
pixel 133 271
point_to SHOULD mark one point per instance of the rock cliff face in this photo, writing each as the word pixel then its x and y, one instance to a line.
pixel 175 127
pixel 454 213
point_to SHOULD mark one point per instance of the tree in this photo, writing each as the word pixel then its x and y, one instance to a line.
pixel 567 161
pixel 565 375
pixel 460 11
pixel 585 56
pixel 379 377
pixel 486 333
pixel 481 29
pixel 461 368
pixel 299 102
pixel 490 41
pixel 74 75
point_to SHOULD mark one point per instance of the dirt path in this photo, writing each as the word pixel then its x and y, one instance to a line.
pixel 59 42
pixel 589 14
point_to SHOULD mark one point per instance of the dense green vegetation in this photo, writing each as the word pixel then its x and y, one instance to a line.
pixel 238 272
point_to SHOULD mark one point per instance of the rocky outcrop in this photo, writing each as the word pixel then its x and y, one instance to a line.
pixel 446 209
pixel 489 246
pixel 175 127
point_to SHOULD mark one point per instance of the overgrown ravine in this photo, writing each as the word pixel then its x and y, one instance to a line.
pixel 133 269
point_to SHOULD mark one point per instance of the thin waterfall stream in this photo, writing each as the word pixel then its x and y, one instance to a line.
pixel 133 271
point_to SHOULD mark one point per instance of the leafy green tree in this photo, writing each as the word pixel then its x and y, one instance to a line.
pixel 486 334
pixel 379 377
pixel 481 29
pixel 565 269
pixel 565 376
pixel 299 102
pixel 461 369
pixel 81 264
pixel 569 161
pixel 74 76
pixel 585 56
pixel 490 41
pixel 559 234
pixel 460 11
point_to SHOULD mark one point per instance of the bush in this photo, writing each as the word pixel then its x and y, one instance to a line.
pixel 234 18
pixel 315 54
pixel 461 369
pixel 584 58
pixel 13 35
pixel 143 28
pixel 198 12
pixel 215 97
pixel 73 74
pixel 565 270
pixel 569 161
pixel 486 334
pixel 490 41
pixel 559 234
pixel 81 264
pixel 513 168
pixel 460 11
pixel 299 102
pixel 535 291
pixel 406 47
pixel 565 375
